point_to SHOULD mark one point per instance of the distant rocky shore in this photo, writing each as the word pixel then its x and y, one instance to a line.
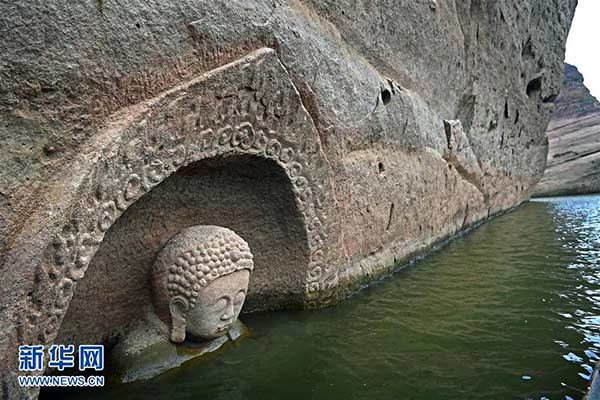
pixel 574 136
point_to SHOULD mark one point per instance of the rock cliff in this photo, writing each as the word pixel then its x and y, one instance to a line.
pixel 338 138
pixel 574 141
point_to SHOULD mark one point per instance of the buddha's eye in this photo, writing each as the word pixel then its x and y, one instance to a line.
pixel 239 298
pixel 220 304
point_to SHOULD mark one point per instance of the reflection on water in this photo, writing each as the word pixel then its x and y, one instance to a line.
pixel 510 311
pixel 577 227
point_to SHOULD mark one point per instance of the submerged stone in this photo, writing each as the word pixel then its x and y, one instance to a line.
pixel 145 353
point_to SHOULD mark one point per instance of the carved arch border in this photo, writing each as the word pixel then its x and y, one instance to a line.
pixel 249 107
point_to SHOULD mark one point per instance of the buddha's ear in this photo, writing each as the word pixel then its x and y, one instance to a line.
pixel 179 307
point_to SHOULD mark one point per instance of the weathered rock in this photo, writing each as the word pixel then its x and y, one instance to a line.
pixel 314 129
pixel 574 139
pixel 144 353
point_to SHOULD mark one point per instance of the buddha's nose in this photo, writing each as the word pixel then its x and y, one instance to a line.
pixel 228 314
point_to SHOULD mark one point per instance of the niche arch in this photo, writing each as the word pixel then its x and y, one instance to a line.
pixel 253 196
pixel 248 108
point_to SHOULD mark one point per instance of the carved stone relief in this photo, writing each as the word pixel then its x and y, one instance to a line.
pixel 200 280
pixel 249 107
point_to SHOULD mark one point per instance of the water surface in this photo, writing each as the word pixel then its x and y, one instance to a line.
pixel 509 311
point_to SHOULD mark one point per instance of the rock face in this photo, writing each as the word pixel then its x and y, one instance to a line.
pixel 338 138
pixel 574 138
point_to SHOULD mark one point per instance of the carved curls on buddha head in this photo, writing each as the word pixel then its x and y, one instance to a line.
pixel 200 281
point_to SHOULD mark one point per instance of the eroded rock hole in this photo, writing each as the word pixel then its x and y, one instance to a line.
pixel 381 168
pixel 551 98
pixel 390 217
pixel 386 96
pixel 534 87
pixel 527 51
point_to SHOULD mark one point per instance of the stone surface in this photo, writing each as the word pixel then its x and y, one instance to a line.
pixel 144 353
pixel 593 392
pixel 336 137
pixel 574 138
pixel 200 279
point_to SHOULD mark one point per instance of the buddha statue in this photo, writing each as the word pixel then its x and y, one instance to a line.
pixel 200 280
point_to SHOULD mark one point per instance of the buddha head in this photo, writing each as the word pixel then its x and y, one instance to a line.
pixel 200 281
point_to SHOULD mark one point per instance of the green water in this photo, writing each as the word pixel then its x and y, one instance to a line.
pixel 509 311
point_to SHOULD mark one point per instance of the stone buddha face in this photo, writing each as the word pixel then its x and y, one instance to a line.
pixel 200 280
pixel 218 306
